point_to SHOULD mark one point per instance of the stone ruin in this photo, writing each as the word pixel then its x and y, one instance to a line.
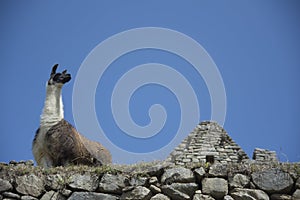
pixel 209 142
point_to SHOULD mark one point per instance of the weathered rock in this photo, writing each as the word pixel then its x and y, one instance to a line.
pixel 202 197
pixel 187 188
pixel 138 181
pixel 154 189
pixel 173 193
pixel 179 174
pixel 92 196
pixel 139 192
pixel 280 197
pixel 296 194
pixel 54 182
pixel 160 197
pixel 248 194
pixel 11 195
pixel 53 195
pixel 66 192
pixel 5 185
pixel 218 170
pixel 88 182
pixel 239 181
pixel 28 198
pixel 199 173
pixel 113 183
pixel 273 181
pixel 216 187
pixel 30 185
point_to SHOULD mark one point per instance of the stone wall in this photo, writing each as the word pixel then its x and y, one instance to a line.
pixel 155 181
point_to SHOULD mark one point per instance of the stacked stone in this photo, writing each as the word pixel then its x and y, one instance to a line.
pixel 263 155
pixel 208 142
pixel 157 182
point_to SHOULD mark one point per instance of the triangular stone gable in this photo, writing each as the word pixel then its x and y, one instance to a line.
pixel 208 142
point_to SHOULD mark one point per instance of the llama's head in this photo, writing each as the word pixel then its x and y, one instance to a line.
pixel 58 79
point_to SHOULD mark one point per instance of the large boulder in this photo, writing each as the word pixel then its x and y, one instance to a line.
pixel 173 193
pixel 239 181
pixel 85 182
pixel 180 190
pixel 139 192
pixel 218 170
pixel 113 183
pixel 177 175
pixel 5 185
pixel 199 173
pixel 248 194
pixel 215 187
pixel 30 185
pixel 273 181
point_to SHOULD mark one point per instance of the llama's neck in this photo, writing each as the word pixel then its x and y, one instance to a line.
pixel 53 109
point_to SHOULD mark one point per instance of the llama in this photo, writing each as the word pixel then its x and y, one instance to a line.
pixel 56 142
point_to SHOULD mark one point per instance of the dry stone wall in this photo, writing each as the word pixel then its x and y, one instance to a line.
pixel 151 181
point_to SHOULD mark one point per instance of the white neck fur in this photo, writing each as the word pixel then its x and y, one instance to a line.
pixel 53 109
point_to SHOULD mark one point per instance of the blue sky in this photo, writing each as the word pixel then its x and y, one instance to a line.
pixel 255 46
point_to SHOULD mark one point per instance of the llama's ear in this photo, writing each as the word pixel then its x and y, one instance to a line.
pixel 64 72
pixel 54 69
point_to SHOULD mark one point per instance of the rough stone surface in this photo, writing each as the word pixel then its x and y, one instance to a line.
pixel 264 155
pixel 160 197
pixel 139 192
pixel 273 181
pixel 298 183
pixel 208 142
pixel 179 174
pixel 173 193
pixel 154 189
pixel 28 198
pixel 86 182
pixel 202 197
pixel 227 197
pixel 113 183
pixel 30 185
pixel 187 188
pixel 218 170
pixel 5 185
pixel 239 181
pixel 296 194
pixel 280 197
pixel 138 181
pixel 54 182
pixel 11 195
pixel 91 196
pixel 216 187
pixel 248 194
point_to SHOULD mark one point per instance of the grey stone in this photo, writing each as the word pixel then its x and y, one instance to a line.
pixel 154 189
pixel 218 170
pixel 187 188
pixel 5 185
pixel 11 195
pixel 91 196
pixel 139 192
pixel 160 197
pixel 88 182
pixel 199 173
pixel 53 196
pixel 138 181
pixel 273 181
pixel 239 181
pixel 298 183
pixel 28 198
pixel 296 194
pixel 30 185
pixel 113 183
pixel 179 174
pixel 54 182
pixel 173 193
pixel 216 187
pixel 227 197
pixel 66 192
pixel 202 197
pixel 248 194
pixel 280 197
